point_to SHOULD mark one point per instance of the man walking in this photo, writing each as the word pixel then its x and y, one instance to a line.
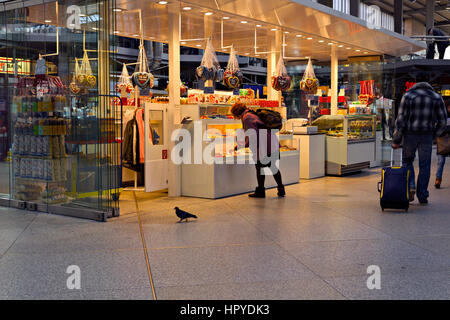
pixel 421 117
pixel 441 43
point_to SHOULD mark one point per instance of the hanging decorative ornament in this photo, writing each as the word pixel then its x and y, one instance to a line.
pixel 124 81
pixel 141 76
pixel 73 86
pixel 232 77
pixel 281 80
pixel 79 74
pixel 210 64
pixel 309 82
pixel 90 81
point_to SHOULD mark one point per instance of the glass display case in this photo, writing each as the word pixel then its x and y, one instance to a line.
pixel 227 131
pixel 353 128
pixel 349 142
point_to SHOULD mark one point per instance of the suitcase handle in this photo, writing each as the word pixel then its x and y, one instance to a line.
pixel 379 186
pixel 392 157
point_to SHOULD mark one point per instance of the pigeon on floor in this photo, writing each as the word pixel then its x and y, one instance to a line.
pixel 183 215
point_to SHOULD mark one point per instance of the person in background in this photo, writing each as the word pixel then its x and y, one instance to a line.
pixel 440 158
pixel 441 44
pixel 251 121
pixel 421 116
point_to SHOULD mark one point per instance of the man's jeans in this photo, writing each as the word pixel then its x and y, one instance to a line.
pixel 424 145
pixel 440 166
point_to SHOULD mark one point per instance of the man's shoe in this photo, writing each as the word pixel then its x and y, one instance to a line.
pixel 259 193
pixel 281 191
pixel 423 201
pixel 412 192
pixel 437 184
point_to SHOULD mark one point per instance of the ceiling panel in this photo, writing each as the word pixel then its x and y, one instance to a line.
pixel 309 29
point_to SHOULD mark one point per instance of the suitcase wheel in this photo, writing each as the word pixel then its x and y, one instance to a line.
pixel 406 210
pixel 382 209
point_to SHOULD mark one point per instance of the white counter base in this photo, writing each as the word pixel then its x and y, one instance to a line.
pixel 312 155
pixel 214 181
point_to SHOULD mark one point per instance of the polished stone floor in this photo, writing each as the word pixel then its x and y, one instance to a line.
pixel 317 243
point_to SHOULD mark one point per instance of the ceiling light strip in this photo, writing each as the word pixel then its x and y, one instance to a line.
pixel 256 46
pixel 284 50
pixel 221 37
pixel 179 32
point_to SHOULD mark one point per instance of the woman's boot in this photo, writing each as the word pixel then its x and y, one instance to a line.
pixel 281 192
pixel 259 193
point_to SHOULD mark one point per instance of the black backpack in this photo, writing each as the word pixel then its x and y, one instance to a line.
pixel 271 119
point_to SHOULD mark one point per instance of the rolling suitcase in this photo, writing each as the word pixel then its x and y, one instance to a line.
pixel 394 186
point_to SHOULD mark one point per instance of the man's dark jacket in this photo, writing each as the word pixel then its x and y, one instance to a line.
pixel 421 111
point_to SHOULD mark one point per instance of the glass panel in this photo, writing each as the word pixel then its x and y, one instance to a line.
pixel 57 126
pixel 156 127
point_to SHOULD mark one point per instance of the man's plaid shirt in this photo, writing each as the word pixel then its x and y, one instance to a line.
pixel 421 111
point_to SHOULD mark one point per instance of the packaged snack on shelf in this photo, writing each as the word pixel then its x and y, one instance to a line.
pixel 45 146
pixel 39 145
pixel 23 168
pixel 29 167
pixel 16 166
pixel 33 145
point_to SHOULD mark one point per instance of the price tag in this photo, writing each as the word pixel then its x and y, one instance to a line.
pixel 208 90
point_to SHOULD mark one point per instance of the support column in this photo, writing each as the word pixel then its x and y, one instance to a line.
pixel 430 4
pixel 398 16
pixel 174 175
pixel 334 80
pixel 103 53
pixel 354 8
pixel 274 47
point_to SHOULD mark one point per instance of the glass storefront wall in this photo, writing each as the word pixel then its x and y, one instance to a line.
pixel 59 134
pixel 60 129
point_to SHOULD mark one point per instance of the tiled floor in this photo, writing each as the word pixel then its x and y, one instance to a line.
pixel 316 243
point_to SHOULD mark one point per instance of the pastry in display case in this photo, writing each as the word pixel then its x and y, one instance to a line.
pixel 349 143
pixel 351 127
pixel 228 134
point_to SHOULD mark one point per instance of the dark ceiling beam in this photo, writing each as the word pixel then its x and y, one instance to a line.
pixel 390 9
pixel 435 11
pixel 422 10
pixel 398 16
pixel 442 23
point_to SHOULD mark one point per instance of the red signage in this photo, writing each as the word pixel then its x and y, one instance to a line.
pixel 409 85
